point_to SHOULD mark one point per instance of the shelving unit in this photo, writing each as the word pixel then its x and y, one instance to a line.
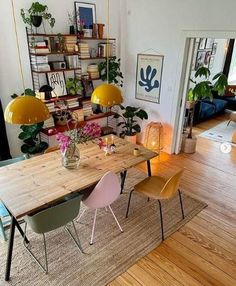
pixel 54 48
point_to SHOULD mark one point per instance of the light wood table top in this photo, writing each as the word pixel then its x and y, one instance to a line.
pixel 32 184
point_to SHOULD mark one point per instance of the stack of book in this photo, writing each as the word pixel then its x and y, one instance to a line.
pixel 78 115
pixel 51 106
pixel 40 63
pixel 78 73
pixel 84 50
pixel 70 43
pixel 73 62
pixel 39 48
pixel 105 49
pixel 87 107
pixel 49 122
pixel 73 102
pixel 93 71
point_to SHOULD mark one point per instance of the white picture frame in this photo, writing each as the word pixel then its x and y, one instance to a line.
pixel 56 80
pixel 85 12
pixel 149 77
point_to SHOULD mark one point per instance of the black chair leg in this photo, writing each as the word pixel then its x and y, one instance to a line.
pixel 127 212
pixel 181 204
pixel 162 229
pixel 123 177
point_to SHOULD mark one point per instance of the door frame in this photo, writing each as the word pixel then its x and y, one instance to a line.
pixel 186 36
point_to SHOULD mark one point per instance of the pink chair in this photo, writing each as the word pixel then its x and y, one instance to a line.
pixel 105 193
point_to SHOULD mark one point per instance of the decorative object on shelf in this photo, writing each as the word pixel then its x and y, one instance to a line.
pixel 153 136
pixel 107 94
pixel 112 71
pixel 72 21
pixel 30 136
pixel 86 14
pixel 73 86
pixel 87 87
pixel 100 30
pixel 202 90
pixel 60 45
pixel 148 77
pixel 68 143
pixel 129 123
pixel 35 14
pixel 61 117
pixel 47 90
pixel 57 82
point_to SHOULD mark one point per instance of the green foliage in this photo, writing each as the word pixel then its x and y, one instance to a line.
pixel 28 91
pixel 204 88
pixel 37 9
pixel 114 71
pixel 73 86
pixel 129 124
pixel 29 136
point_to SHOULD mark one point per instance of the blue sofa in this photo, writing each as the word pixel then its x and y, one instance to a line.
pixel 205 109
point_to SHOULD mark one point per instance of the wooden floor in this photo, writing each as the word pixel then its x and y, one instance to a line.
pixel 203 252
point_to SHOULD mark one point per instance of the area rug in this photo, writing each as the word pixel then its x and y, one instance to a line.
pixel 111 254
pixel 221 132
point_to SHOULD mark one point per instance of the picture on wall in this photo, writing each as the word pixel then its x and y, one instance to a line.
pixel 214 47
pixel 148 77
pixel 85 15
pixel 211 63
pixel 200 61
pixel 209 43
pixel 202 44
pixel 57 81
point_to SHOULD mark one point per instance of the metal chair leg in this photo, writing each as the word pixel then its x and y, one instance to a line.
pixel 162 228
pixel 75 239
pixel 93 230
pixel 44 268
pixel 181 204
pixel 2 230
pixel 127 212
pixel 80 216
pixel 115 218
pixel 123 177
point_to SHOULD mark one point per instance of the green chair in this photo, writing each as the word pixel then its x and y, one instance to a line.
pixel 4 214
pixel 52 218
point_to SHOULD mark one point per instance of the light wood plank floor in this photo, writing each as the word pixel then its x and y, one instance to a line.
pixel 203 252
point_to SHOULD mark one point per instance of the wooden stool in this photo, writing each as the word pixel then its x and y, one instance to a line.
pixel 232 117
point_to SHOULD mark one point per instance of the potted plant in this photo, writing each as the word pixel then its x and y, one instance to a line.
pixel 114 74
pixel 30 134
pixel 202 89
pixel 129 123
pixel 35 14
pixel 73 86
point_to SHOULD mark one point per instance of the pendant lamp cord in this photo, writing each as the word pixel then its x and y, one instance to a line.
pixel 17 45
pixel 108 35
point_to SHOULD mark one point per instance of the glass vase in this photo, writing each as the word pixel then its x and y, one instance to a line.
pixel 71 157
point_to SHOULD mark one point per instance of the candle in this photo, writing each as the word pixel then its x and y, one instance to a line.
pixel 106 141
pixel 112 139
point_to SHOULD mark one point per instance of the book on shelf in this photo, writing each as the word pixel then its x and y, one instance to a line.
pixel 49 122
pixel 84 50
pixel 70 42
pixel 40 50
pixel 41 67
pixel 73 61
pixel 78 115
pixel 39 59
pixel 93 71
pixel 105 49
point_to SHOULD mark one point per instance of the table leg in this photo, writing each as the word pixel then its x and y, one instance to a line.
pixel 149 171
pixel 123 176
pixel 10 248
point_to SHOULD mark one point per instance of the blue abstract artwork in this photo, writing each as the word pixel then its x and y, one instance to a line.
pixel 86 15
pixel 147 79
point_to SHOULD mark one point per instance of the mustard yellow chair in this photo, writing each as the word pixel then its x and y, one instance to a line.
pixel 159 188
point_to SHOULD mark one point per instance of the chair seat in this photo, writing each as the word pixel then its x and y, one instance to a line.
pixel 151 187
pixel 3 210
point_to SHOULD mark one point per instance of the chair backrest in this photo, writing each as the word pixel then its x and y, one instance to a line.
pixel 12 161
pixel 106 192
pixel 172 185
pixel 55 216
pixel 51 149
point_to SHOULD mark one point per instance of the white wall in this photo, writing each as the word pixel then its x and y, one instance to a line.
pixel 160 25
pixel 10 80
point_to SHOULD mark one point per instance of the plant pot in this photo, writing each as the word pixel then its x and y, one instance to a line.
pixel 100 30
pixel 131 139
pixel 72 30
pixel 36 20
pixel 190 104
pixel 189 144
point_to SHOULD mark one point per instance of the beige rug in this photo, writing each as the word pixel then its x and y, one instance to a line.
pixel 221 132
pixel 112 253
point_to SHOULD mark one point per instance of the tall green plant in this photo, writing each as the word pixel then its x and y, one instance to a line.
pixel 114 74
pixel 129 123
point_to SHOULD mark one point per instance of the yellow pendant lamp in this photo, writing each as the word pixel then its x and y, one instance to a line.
pixel 24 109
pixel 107 95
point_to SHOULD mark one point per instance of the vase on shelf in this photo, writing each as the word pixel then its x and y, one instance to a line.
pixel 71 157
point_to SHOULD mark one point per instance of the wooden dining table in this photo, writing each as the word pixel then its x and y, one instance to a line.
pixel 31 185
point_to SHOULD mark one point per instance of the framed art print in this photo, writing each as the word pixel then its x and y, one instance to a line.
pixel 87 87
pixel 148 77
pixel 57 81
pixel 85 15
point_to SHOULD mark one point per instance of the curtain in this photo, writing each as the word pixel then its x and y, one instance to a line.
pixel 4 147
